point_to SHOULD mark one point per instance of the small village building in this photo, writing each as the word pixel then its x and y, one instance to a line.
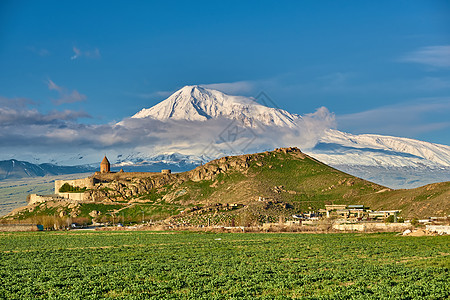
pixel 336 207
pixel 346 211
pixel 383 214
pixel 357 211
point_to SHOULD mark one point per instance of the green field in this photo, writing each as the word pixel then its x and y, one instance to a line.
pixel 152 265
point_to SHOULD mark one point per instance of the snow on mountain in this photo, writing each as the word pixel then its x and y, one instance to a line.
pixel 141 162
pixel 340 148
pixel 140 159
pixel 195 103
pixel 364 155
pixel 439 154
pixel 183 144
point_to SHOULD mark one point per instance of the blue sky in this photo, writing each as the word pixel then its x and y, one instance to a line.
pixel 380 66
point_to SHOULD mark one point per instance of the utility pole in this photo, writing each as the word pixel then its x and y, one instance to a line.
pixel 142 216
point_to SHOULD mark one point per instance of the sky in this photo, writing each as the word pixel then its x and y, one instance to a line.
pixel 380 67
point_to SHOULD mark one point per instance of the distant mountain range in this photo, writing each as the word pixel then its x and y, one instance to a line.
pixel 195 125
pixel 10 169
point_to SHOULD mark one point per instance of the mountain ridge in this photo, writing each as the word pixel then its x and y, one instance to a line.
pixel 15 169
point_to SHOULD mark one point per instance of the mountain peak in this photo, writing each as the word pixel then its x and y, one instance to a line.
pixel 195 93
pixel 191 89
pixel 196 103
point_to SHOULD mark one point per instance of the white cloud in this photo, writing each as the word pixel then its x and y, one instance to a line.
pixel 77 53
pixel 95 53
pixel 434 56
pixel 53 86
pixel 71 97
pixel 65 96
pixel 17 118
pixel 15 103
pixel 59 132
pixel 92 53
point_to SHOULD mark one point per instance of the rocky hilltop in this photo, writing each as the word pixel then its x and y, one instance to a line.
pixel 258 187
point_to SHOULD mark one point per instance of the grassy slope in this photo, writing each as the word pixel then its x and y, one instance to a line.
pixel 290 178
pixel 298 180
pixel 307 183
pixel 429 200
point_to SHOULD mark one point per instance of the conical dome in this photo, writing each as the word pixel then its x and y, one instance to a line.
pixel 105 161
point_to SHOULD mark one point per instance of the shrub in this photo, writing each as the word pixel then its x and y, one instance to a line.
pixel 67 188
pixel 390 219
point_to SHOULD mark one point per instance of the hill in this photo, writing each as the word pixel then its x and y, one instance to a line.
pixel 248 188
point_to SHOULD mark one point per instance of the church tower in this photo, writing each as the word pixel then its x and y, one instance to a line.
pixel 105 166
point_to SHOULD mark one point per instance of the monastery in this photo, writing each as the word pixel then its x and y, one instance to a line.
pixel 88 183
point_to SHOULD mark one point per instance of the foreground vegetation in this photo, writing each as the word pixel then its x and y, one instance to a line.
pixel 150 265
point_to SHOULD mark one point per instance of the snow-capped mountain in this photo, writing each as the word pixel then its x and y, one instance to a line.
pixel 141 162
pixel 340 148
pixel 362 155
pixel 195 103
pixel 196 124
pixel 391 161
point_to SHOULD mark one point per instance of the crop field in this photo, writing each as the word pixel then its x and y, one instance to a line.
pixel 178 265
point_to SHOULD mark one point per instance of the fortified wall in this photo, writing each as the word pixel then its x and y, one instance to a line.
pixel 35 198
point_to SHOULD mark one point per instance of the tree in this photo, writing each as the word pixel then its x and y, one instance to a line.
pixel 390 219
pixel 67 188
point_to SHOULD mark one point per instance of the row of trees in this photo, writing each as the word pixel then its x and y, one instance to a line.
pixel 67 188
